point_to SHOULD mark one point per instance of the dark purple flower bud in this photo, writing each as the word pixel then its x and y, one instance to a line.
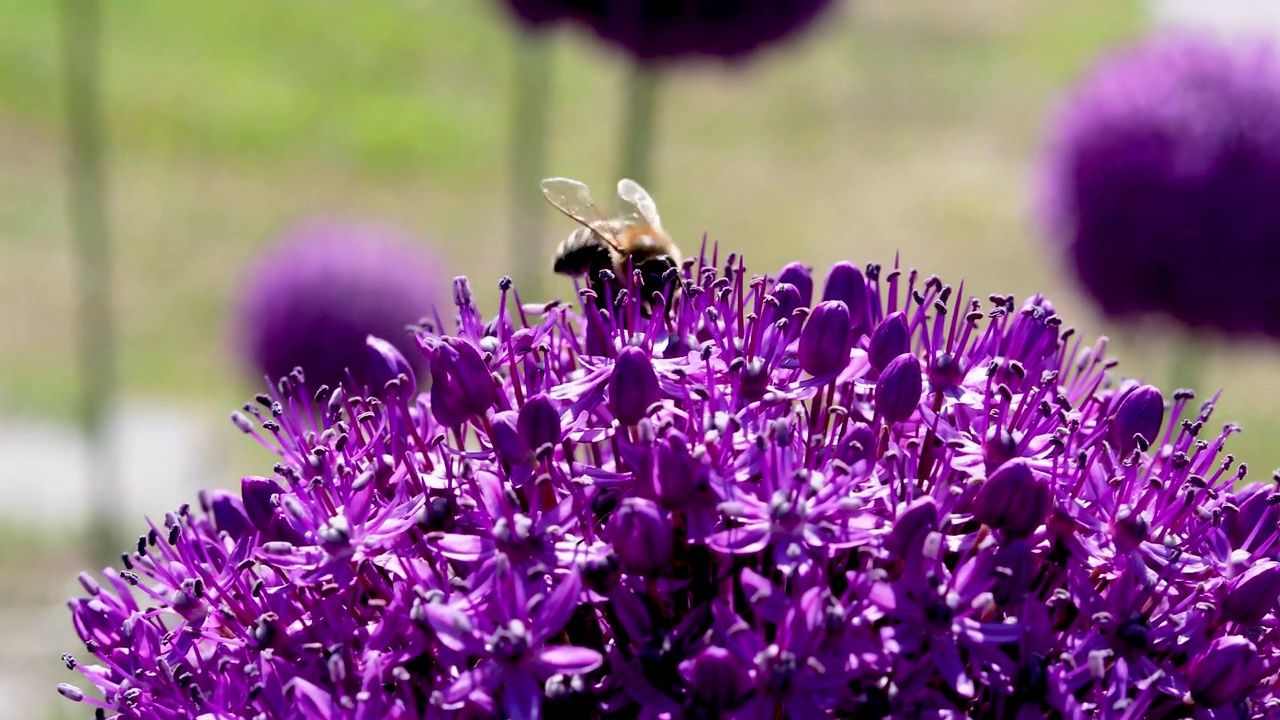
pixel 898 389
pixel 386 363
pixel 915 522
pixel 788 297
pixel 1013 500
pixel 754 379
pixel 1256 517
pixel 890 339
pixel 654 32
pixel 846 284
pixel 946 371
pixel 641 534
pixel 826 339
pixel 717 678
pixel 229 514
pixel 461 385
pixel 508 443
pixel 1141 412
pixel 1253 594
pixel 1225 671
pixel 798 275
pixel 858 445
pixel 633 387
pixel 539 422
pixel 677 479
pixel 998 449
pixel 259 496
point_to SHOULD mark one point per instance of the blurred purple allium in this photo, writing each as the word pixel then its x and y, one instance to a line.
pixel 1160 182
pixel 313 298
pixel 660 30
pixel 689 523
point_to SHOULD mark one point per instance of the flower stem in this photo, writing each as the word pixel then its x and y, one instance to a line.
pixel 528 158
pixel 637 131
pixel 80 25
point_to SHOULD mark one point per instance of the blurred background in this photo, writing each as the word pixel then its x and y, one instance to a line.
pixel 888 126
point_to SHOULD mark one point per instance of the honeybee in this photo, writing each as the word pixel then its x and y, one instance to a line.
pixel 634 240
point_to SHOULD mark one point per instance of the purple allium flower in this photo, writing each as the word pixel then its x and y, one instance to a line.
pixel 658 30
pixel 684 517
pixel 314 297
pixel 1160 182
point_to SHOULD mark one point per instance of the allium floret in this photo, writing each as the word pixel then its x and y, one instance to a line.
pixel 731 507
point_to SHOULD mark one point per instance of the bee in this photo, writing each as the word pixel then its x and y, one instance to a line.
pixel 634 240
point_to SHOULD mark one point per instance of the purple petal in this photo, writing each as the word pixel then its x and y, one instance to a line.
pixel 452 626
pixel 567 659
pixel 740 541
pixel 467 548
pixel 522 696
pixel 947 658
pixel 558 607
pixel 482 677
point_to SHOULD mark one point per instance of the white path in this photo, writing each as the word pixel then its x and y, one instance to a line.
pixel 162 457
pixel 164 454
pixel 1230 17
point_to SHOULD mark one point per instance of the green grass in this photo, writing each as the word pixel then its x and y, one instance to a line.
pixel 906 125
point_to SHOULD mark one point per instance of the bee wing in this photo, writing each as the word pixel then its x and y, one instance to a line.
pixel 574 199
pixel 637 204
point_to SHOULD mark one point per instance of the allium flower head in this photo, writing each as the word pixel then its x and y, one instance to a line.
pixel 1161 177
pixel 714 511
pixel 315 296
pixel 658 30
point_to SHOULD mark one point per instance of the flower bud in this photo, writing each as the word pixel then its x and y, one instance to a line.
pixel 1000 447
pixel 846 284
pixel 826 339
pixel 1141 412
pixel 788 299
pixel 858 445
pixel 1227 669
pixel 1013 500
pixel 258 494
pixel 229 514
pixel 633 387
pixel 898 389
pixel 539 422
pixel 717 678
pixel 890 339
pixel 798 275
pixel 386 363
pixel 507 442
pixel 1253 594
pixel 461 385
pixel 753 380
pixel 677 479
pixel 914 522
pixel 641 534
pixel 946 371
pixel 1256 517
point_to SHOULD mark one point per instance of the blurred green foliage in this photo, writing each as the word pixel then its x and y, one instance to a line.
pixel 898 125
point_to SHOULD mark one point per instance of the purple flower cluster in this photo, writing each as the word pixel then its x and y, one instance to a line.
pixel 658 30
pixel 1160 182
pixel 315 295
pixel 889 500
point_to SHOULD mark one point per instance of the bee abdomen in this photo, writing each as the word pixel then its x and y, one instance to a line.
pixel 581 253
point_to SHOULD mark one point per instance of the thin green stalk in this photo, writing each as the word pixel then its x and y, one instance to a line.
pixel 528 161
pixel 638 124
pixel 81 55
